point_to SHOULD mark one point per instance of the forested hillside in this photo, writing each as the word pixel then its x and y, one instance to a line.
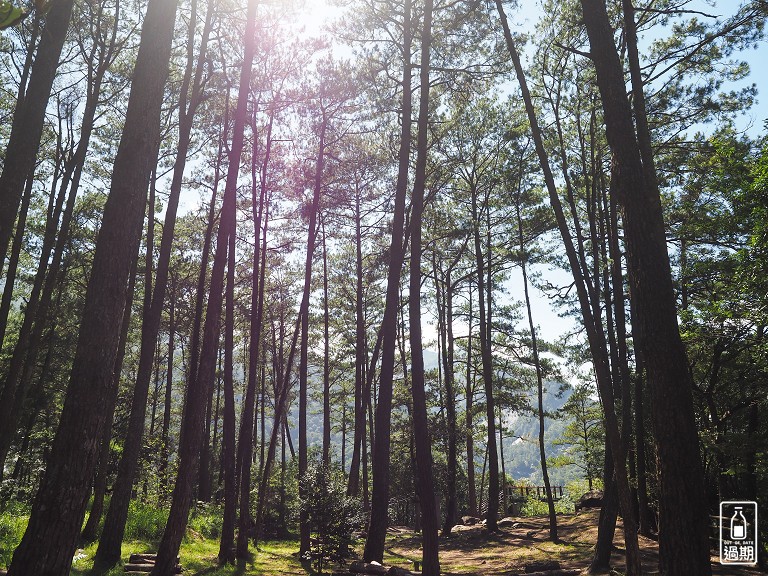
pixel 308 270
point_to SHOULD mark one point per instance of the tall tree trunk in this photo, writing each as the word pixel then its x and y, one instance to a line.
pixel 226 548
pixel 13 261
pixel 487 363
pixel 257 321
pixel 28 118
pixel 539 380
pixel 450 405
pixel 595 334
pixel 57 515
pixel 304 350
pixel 108 552
pixel 358 441
pixel 646 520
pixel 377 529
pixel 200 383
pixel 281 405
pixel 601 560
pixel 164 434
pixel 326 361
pixel 424 477
pixel 100 483
pixel 468 418
pixel 683 532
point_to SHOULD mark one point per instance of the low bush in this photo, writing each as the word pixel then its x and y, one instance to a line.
pixel 206 519
pixel 332 515
pixel 13 522
pixel 145 521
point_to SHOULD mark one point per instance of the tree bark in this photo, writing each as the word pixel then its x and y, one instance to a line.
pixel 57 515
pixel 100 483
pixel 425 486
pixel 606 528
pixel 108 552
pixel 201 382
pixel 29 117
pixel 683 536
pixel 226 548
pixel 377 529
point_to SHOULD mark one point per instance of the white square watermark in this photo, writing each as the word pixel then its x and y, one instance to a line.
pixel 738 532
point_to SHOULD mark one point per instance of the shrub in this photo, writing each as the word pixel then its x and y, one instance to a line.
pixel 13 522
pixel 331 515
pixel 145 521
pixel 206 519
pixel 535 507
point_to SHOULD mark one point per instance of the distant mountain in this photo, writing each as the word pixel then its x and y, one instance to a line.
pixel 521 434
pixel 521 449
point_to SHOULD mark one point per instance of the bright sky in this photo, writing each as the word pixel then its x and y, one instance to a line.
pixel 318 13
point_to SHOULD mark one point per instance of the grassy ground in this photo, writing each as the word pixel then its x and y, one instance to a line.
pixel 470 551
pixel 199 558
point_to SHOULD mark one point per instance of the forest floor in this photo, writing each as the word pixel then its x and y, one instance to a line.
pixel 475 552
pixel 472 551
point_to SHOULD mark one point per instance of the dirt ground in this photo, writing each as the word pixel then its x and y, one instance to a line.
pixel 473 551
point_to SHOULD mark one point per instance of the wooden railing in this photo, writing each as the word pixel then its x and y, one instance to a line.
pixel 521 493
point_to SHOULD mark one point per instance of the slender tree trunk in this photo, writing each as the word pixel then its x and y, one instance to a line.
pixel 683 532
pixel 601 560
pixel 100 483
pixel 13 261
pixel 303 352
pixel 539 381
pixel 257 321
pixel 374 544
pixel 108 553
pixel 450 405
pixel 28 118
pixel 201 382
pixel 424 476
pixel 358 441
pixel 205 470
pixel 57 515
pixel 164 434
pixel 226 548
pixel 280 410
pixel 468 407
pixel 646 521
pixel 487 362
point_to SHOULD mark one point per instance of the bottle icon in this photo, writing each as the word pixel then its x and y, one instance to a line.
pixel 738 525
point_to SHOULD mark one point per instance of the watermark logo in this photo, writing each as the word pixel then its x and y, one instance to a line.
pixel 738 533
